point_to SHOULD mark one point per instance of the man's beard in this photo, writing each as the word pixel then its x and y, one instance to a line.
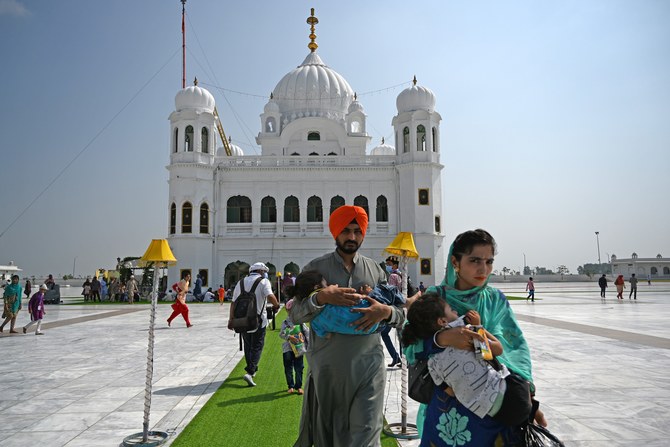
pixel 349 247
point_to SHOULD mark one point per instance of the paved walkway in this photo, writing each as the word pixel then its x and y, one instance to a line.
pixel 601 370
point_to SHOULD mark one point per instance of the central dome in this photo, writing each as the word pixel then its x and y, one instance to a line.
pixel 313 89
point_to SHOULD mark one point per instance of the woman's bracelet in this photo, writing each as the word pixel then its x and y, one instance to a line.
pixel 435 339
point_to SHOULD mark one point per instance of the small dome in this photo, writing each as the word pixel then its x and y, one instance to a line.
pixel 235 151
pixel 383 149
pixel 415 97
pixel 194 97
pixel 271 107
pixel 355 106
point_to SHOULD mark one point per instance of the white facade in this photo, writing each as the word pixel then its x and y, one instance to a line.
pixel 274 207
pixel 656 268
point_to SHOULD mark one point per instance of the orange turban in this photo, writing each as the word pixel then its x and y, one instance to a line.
pixel 344 215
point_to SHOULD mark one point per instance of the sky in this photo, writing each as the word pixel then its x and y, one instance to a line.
pixel 556 115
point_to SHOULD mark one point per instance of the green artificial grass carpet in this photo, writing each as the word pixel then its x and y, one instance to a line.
pixel 261 416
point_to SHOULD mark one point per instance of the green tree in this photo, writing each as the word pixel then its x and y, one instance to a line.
pixel 562 270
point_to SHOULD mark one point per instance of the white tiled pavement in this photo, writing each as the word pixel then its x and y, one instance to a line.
pixel 601 370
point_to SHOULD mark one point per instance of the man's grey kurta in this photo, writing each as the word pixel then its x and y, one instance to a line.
pixel 345 382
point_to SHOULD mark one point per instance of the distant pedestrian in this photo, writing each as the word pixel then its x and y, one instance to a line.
pixel 36 310
pixel 620 285
pixel 197 288
pixel 222 294
pixel 633 286
pixel 95 289
pixel 50 283
pixel 602 282
pixel 86 288
pixel 131 289
pixel 179 307
pixel 103 288
pixel 530 288
pixel 649 279
pixel 27 288
pixel 12 304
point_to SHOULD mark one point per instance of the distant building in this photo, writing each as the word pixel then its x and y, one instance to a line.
pixel 227 211
pixel 658 267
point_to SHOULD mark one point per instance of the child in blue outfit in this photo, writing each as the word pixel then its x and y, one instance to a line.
pixel 293 348
pixel 340 319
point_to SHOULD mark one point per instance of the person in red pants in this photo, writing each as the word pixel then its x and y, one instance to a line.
pixel 179 306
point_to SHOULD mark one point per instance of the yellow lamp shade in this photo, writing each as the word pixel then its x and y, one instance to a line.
pixel 403 245
pixel 158 251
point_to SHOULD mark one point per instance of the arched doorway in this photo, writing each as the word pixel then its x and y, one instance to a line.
pixel 234 272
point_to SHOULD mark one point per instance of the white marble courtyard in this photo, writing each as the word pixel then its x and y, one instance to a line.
pixel 601 369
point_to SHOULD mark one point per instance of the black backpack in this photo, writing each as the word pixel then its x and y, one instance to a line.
pixel 245 315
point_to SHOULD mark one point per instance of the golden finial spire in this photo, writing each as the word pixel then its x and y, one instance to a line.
pixel 355 96
pixel 312 21
pixel 414 80
pixel 382 140
pixel 272 95
pixel 195 81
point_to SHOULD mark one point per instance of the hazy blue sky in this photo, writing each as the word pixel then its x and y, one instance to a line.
pixel 556 115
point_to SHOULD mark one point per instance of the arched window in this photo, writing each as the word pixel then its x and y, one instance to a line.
pixel 335 203
pixel 420 138
pixel 295 153
pixel 654 271
pixel 173 218
pixel 313 153
pixel 438 227
pixel 405 139
pixel 314 209
pixel 332 153
pixel 204 219
pixel 666 270
pixel 176 140
pixel 291 209
pixel 382 209
pixel 270 125
pixel 268 209
pixel 434 139
pixel 362 201
pixel 356 126
pixel 188 139
pixel 186 217
pixel 238 210
pixel 204 141
pixel 313 136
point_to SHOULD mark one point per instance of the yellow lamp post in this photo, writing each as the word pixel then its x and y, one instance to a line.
pixel 403 247
pixel 157 255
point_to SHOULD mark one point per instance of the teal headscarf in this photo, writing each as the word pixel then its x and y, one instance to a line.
pixel 497 317
pixel 11 290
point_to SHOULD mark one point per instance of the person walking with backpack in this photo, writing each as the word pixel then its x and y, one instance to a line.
pixel 249 298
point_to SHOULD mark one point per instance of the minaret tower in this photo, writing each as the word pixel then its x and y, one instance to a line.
pixel 191 183
pixel 417 131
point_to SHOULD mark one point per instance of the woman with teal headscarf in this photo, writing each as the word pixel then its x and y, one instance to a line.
pixel 12 304
pixel 445 421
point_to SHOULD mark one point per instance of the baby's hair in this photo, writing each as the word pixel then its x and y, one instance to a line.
pixel 305 283
pixel 422 318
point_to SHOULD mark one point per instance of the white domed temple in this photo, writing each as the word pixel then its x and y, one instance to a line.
pixel 227 210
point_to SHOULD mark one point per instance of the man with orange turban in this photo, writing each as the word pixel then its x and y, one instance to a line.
pixel 344 396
